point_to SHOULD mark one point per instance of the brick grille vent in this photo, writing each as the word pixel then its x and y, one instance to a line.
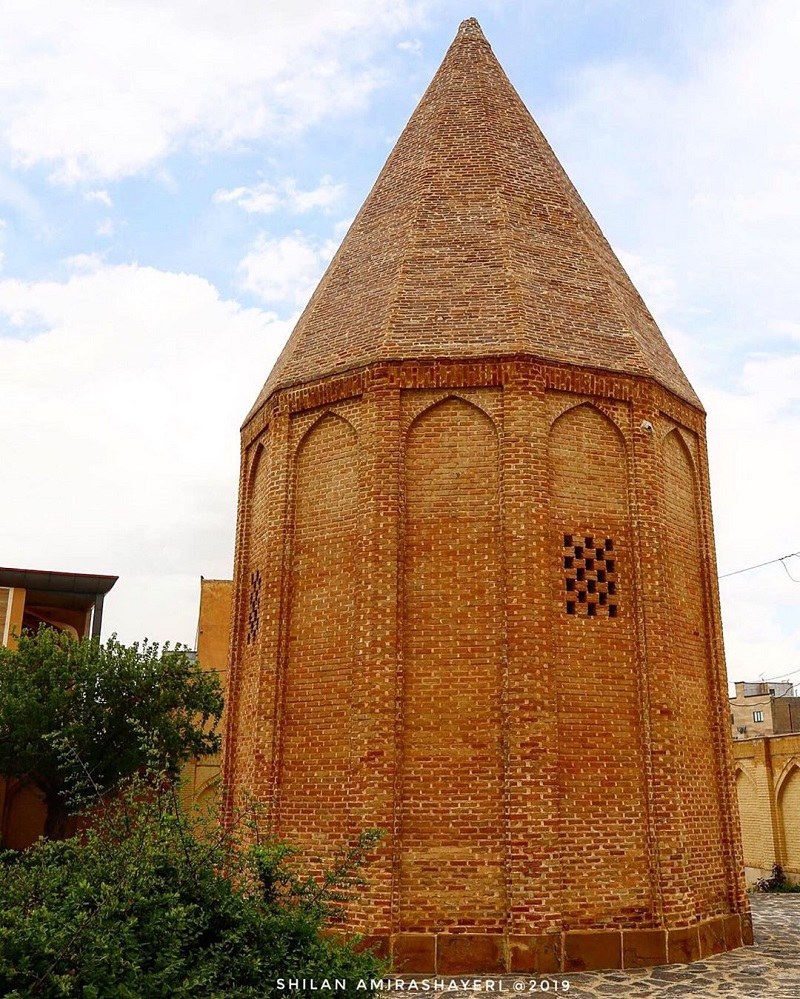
pixel 590 580
pixel 253 616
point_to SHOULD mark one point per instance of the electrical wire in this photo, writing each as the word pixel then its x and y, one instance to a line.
pixel 777 679
pixel 760 565
pixel 786 569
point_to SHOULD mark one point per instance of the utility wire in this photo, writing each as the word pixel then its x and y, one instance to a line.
pixel 760 565
pixel 786 570
pixel 777 679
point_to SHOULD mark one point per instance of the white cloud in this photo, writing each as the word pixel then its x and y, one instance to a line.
pixel 261 199
pixel 106 228
pixel 285 270
pixel 100 196
pixel 99 90
pixel 86 262
pixel 266 197
pixel 124 388
pixel 413 46
pixel 326 196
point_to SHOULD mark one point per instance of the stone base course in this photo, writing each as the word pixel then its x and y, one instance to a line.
pixel 571 951
pixel 767 970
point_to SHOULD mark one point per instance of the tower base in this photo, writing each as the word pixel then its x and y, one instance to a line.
pixel 569 951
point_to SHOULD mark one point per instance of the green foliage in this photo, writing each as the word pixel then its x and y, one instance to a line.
pixel 145 904
pixel 82 712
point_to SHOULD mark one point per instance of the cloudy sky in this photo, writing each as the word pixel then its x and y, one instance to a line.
pixel 174 177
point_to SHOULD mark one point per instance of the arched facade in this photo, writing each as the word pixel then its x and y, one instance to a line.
pixel 788 795
pixel 767 775
pixel 487 630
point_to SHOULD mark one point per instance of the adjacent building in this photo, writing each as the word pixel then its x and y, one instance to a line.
pixel 70 602
pixel 764 708
pixel 201 778
pixel 67 601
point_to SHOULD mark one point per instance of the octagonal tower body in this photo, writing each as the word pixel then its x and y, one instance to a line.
pixel 475 597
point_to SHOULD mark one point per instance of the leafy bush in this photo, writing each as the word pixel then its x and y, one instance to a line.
pixel 72 711
pixel 140 905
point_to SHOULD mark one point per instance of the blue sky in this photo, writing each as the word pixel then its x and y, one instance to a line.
pixel 174 178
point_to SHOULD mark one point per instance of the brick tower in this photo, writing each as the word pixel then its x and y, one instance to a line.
pixel 475 580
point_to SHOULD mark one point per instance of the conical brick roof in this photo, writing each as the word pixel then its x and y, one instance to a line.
pixel 474 243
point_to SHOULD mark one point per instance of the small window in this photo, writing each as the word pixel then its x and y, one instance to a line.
pixel 758 716
pixel 254 613
pixel 589 583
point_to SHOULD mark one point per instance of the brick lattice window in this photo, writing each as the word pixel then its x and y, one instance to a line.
pixel 590 576
pixel 254 611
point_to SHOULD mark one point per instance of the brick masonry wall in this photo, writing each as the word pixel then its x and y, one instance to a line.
pixel 317 711
pixel 451 777
pixel 255 728
pixel 603 808
pixel 543 808
pixel 767 773
pixel 696 767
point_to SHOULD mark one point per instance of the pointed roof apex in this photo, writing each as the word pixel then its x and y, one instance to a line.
pixel 473 243
pixel 471 29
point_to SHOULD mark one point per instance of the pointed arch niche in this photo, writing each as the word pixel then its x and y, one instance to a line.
pixel 451 859
pixel 691 684
pixel 250 610
pixel 258 528
pixel 597 663
pixel 750 818
pixel 788 796
pixel 316 712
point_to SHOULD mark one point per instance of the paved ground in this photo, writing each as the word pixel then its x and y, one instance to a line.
pixel 770 969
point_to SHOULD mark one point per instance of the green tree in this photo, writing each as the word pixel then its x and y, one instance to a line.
pixel 77 712
pixel 145 904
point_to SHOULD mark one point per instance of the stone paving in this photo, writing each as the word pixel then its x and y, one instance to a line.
pixel 770 969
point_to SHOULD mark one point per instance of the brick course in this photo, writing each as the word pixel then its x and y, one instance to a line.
pixel 475 397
